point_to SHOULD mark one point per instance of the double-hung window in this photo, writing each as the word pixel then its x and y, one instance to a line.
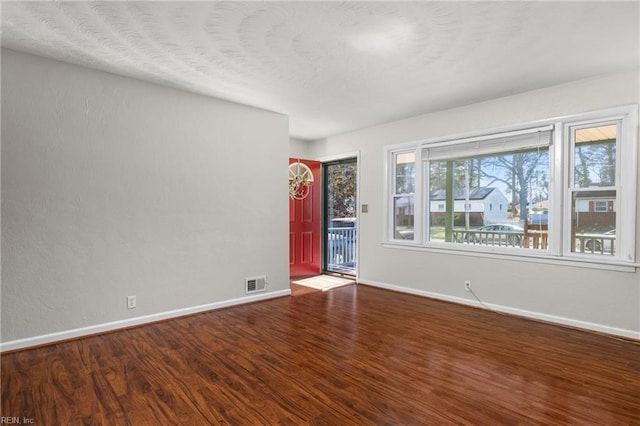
pixel 404 183
pixel 600 218
pixel 563 188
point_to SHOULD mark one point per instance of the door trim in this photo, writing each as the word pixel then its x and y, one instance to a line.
pixel 337 159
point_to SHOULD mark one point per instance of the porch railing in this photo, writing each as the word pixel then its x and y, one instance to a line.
pixel 488 238
pixel 585 243
pixel 595 243
pixel 341 250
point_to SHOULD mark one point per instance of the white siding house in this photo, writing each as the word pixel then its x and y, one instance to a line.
pixel 486 205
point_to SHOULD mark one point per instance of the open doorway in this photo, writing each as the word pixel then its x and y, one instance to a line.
pixel 340 203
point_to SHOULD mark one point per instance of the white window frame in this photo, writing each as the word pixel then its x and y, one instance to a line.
pixel 471 145
pixel 560 176
pixel 625 186
pixel 417 196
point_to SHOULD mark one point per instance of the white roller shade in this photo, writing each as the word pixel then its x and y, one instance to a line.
pixel 489 144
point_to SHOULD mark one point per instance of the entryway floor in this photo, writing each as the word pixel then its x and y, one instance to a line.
pixel 318 283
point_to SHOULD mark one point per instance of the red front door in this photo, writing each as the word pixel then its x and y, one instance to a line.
pixel 305 222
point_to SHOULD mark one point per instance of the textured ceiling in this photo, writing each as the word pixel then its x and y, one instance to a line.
pixel 333 67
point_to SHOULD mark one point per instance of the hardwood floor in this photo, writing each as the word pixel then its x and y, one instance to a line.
pixel 299 290
pixel 352 355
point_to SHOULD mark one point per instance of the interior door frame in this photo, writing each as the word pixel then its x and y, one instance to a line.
pixel 345 157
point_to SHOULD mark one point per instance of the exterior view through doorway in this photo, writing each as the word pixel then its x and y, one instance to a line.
pixel 340 216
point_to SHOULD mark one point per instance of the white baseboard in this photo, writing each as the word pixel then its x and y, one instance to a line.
pixel 115 325
pixel 514 311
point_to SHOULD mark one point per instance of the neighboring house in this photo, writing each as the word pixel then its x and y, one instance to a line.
pixel 595 209
pixel 485 206
pixel 539 218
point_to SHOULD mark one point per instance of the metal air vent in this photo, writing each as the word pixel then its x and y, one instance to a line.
pixel 255 284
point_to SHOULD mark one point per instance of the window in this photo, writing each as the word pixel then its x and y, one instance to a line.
pixel 512 166
pixel 569 182
pixel 600 206
pixel 594 187
pixel 404 195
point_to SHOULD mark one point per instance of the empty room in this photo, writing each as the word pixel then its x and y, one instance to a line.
pixel 459 243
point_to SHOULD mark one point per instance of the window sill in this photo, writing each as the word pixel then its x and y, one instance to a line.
pixel 510 254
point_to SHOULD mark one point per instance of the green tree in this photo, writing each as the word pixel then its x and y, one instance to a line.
pixel 461 169
pixel 341 186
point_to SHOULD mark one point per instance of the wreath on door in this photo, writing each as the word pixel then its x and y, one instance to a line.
pixel 300 180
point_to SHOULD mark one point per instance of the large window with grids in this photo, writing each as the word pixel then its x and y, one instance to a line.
pixel 563 188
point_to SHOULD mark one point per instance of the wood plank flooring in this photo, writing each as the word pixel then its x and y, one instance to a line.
pixel 352 355
pixel 300 290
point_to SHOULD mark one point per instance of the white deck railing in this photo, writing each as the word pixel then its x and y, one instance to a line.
pixel 341 250
pixel 585 243
pixel 596 243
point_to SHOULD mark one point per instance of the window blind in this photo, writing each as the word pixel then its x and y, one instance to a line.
pixel 489 144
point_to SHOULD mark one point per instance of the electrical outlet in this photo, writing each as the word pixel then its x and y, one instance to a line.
pixel 467 285
pixel 131 302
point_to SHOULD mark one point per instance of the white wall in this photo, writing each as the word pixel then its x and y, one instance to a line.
pixel 597 299
pixel 114 187
pixel 298 148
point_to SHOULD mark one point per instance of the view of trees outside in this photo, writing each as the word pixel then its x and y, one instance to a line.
pixel 341 190
pixel 594 187
pixel 521 176
pixel 341 237
pixel 404 197
pixel 405 173
pixel 595 160
pixel 524 176
pixel 463 192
